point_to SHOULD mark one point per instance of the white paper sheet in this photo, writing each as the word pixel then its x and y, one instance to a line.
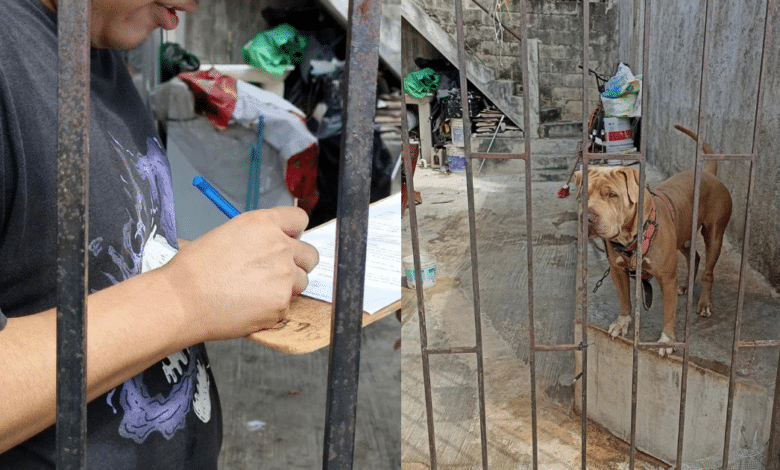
pixel 383 257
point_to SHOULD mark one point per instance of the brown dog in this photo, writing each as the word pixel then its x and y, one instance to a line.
pixel 613 195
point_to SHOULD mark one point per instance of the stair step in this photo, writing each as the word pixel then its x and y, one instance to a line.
pixel 560 129
pixel 549 115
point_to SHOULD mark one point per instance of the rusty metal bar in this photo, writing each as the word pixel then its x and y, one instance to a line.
pixel 656 345
pixel 352 232
pixel 640 226
pixel 459 350
pixel 634 157
pixel 73 22
pixel 464 101
pixel 637 306
pixel 759 344
pixel 721 156
pixel 500 156
pixel 527 134
pixel 738 320
pixel 413 226
pixel 584 229
pixel 694 233
pixel 559 347
pixel 752 158
pixel 773 446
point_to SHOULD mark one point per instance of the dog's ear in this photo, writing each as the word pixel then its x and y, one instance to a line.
pixel 632 185
pixel 578 182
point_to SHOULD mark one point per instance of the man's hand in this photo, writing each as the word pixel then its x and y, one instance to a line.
pixel 241 276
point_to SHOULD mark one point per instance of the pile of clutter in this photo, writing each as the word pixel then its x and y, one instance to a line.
pixel 439 81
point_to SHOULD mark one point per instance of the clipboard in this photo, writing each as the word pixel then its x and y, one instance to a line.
pixel 307 323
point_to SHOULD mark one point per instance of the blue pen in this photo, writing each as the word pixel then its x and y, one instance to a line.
pixel 218 199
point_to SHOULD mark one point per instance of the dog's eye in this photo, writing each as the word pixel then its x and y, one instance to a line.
pixel 612 195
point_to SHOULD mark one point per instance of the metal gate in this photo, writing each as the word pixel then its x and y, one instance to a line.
pixel 701 157
pixel 352 227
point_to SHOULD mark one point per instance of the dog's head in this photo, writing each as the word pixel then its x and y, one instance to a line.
pixel 613 194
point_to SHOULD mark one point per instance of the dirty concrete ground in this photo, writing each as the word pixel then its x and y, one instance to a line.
pixel 500 215
pixel 273 404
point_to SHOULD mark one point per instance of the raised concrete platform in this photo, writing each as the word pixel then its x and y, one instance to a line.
pixel 610 365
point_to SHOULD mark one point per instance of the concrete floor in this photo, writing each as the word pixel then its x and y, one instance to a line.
pixel 273 403
pixel 443 227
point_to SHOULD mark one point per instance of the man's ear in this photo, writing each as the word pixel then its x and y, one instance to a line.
pixel 632 185
pixel 578 182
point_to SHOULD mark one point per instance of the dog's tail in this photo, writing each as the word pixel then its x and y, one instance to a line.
pixel 712 165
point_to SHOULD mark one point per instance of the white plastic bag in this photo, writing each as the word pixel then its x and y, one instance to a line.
pixel 622 94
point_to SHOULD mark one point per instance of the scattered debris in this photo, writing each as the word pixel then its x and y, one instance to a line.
pixel 254 426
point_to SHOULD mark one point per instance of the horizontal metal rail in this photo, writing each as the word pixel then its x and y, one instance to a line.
pixel 460 350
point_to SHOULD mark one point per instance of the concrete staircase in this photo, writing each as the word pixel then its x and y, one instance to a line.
pixel 500 92
pixel 389 30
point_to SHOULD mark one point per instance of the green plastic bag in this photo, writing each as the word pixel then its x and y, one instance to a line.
pixel 275 49
pixel 422 82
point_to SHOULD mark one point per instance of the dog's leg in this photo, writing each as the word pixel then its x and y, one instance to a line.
pixel 668 285
pixel 686 252
pixel 620 277
pixel 713 239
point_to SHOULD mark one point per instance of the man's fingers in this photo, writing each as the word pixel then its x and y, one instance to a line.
pixel 306 256
pixel 302 280
pixel 292 220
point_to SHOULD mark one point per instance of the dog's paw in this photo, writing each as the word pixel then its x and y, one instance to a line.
pixel 620 326
pixel 665 351
pixel 705 309
pixel 681 289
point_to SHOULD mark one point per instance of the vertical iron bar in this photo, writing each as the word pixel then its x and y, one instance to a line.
pixel 352 229
pixel 694 230
pixel 773 447
pixel 408 169
pixel 640 234
pixel 527 134
pixel 637 309
pixel 472 224
pixel 746 234
pixel 773 450
pixel 72 231
pixel 583 228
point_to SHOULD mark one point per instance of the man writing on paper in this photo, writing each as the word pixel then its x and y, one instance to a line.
pixel 153 401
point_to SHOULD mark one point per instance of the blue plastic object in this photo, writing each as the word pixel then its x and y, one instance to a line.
pixel 213 195
pixel 253 185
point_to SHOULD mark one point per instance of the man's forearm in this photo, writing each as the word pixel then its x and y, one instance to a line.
pixel 130 327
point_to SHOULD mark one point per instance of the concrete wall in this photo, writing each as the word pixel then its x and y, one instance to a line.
pixel 557 24
pixel 674 80
pixel 220 29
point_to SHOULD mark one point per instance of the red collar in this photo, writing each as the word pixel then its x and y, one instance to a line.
pixel 648 233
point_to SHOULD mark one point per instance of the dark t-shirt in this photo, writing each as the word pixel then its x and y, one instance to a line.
pixel 167 417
